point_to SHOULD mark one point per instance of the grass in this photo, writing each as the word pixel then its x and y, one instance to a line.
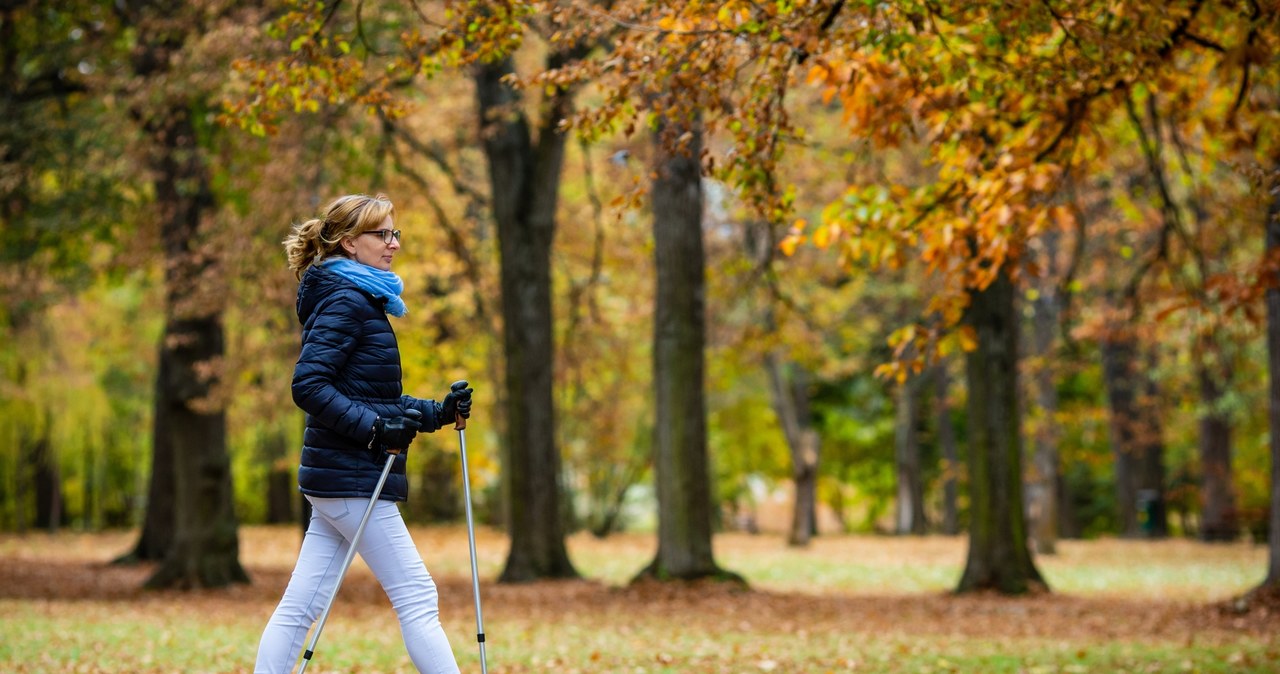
pixel 845 604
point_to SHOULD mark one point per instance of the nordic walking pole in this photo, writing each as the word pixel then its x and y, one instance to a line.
pixel 351 552
pixel 461 426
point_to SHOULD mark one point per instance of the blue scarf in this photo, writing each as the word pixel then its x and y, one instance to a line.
pixel 381 284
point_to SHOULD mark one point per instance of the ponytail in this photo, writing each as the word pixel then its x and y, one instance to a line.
pixel 345 217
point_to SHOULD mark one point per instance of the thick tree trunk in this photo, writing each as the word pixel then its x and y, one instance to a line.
pixel 158 522
pixel 790 389
pixel 1135 437
pixel 190 413
pixel 1272 227
pixel 1218 517
pixel 908 466
pixel 525 179
pixel 205 549
pixel 950 455
pixel 680 435
pixel 1042 487
pixel 998 555
pixel 205 552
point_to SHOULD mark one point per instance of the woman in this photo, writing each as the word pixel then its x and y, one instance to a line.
pixel 347 380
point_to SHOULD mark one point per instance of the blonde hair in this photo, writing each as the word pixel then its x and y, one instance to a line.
pixel 344 218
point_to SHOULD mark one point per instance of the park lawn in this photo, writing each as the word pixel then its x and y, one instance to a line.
pixel 846 604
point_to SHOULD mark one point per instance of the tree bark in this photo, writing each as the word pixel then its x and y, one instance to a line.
pixel 1135 437
pixel 790 389
pixel 1042 487
pixel 205 551
pixel 909 471
pixel 998 556
pixel 1272 233
pixel 525 178
pixel 1218 517
pixel 158 521
pixel 281 483
pixel 680 434
pixel 950 455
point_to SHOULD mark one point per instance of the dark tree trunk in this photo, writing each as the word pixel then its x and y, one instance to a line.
pixel 525 178
pixel 158 522
pixel 908 465
pixel 205 549
pixel 281 484
pixel 205 552
pixel 190 412
pixel 681 470
pixel 790 389
pixel 1272 227
pixel 1135 437
pixel 950 454
pixel 48 486
pixel 1218 517
pixel 439 497
pixel 1068 520
pixel 998 555
pixel 1042 487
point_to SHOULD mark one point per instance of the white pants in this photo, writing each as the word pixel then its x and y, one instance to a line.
pixel 390 553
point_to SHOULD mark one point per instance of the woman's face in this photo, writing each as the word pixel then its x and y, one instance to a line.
pixel 375 247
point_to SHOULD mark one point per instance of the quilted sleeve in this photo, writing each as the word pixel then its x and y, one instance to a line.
pixel 328 343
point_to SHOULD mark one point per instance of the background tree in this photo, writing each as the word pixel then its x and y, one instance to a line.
pixel 190 421
pixel 681 467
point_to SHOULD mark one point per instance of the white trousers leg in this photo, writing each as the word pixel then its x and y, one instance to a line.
pixel 390 553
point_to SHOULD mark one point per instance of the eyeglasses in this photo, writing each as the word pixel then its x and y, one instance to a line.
pixel 386 234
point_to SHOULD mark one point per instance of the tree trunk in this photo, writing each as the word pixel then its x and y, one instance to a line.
pixel 158 522
pixel 681 470
pixel 998 555
pixel 1218 516
pixel 190 412
pixel 1042 487
pixel 281 483
pixel 950 455
pixel 48 486
pixel 205 549
pixel 525 180
pixel 909 471
pixel 1272 228
pixel 205 552
pixel 439 497
pixel 1135 437
pixel 790 389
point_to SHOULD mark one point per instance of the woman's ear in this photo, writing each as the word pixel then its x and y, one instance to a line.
pixel 349 245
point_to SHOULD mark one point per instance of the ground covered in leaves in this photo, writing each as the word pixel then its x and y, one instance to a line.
pixel 846 604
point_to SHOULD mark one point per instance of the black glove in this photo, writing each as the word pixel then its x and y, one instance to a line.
pixel 396 432
pixel 457 403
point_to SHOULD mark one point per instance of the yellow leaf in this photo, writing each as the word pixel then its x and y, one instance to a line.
pixel 822 237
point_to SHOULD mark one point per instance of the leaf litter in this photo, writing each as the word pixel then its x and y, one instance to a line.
pixel 588 625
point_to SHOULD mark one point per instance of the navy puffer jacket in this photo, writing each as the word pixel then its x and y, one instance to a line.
pixel 347 376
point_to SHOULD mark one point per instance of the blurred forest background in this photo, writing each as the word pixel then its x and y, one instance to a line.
pixel 965 267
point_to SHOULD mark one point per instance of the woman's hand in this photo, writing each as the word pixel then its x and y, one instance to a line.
pixel 457 403
pixel 396 432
